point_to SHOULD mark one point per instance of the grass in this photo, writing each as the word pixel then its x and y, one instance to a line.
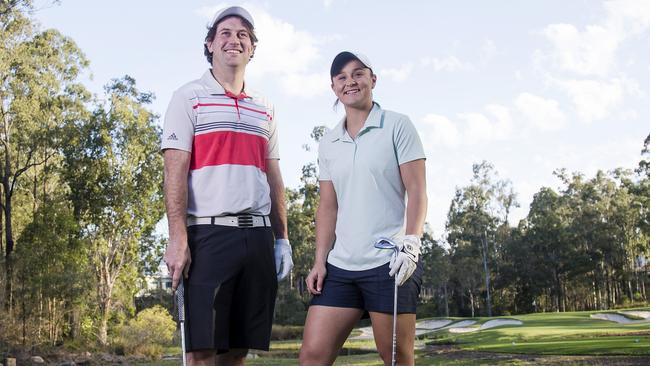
pixel 572 333
pixel 558 336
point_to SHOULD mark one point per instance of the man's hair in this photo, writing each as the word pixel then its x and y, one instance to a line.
pixel 213 30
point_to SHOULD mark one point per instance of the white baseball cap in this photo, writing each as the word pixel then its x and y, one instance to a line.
pixel 232 11
pixel 344 57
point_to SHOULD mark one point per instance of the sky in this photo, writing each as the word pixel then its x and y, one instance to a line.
pixel 530 86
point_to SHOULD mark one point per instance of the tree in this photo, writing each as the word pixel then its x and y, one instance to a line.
pixel 476 213
pixel 114 171
pixel 38 93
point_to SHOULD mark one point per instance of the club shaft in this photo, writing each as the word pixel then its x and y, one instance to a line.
pixel 394 358
pixel 183 355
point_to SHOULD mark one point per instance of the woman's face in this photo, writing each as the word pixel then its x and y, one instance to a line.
pixel 353 85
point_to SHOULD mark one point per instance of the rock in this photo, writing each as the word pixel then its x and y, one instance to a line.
pixel 87 354
pixel 107 357
pixel 10 362
pixel 68 363
pixel 37 359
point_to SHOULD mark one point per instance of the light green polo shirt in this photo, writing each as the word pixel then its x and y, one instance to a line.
pixel 369 189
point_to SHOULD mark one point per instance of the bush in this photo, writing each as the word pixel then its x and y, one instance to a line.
pixel 286 332
pixel 147 333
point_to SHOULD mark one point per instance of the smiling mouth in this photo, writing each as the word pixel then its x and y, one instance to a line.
pixel 233 52
pixel 352 91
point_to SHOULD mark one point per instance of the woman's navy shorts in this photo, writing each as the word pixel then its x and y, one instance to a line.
pixel 370 290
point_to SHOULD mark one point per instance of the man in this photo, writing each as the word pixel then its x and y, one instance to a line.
pixel 225 200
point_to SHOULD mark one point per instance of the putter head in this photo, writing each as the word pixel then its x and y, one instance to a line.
pixel 386 243
pixel 180 301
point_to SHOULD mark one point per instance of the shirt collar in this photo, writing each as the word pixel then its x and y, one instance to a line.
pixel 374 120
pixel 214 87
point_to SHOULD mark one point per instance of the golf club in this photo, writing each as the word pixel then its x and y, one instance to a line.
pixel 385 243
pixel 180 302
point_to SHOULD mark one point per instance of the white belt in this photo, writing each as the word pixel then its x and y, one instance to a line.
pixel 236 221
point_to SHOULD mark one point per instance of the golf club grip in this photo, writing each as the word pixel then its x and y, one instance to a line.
pixel 180 301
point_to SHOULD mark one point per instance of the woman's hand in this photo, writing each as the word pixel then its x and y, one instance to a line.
pixel 315 279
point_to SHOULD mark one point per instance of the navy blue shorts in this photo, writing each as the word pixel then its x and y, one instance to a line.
pixel 371 290
pixel 230 292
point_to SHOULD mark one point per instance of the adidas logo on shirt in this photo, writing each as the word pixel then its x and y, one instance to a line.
pixel 172 137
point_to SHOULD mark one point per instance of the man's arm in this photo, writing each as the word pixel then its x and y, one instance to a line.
pixel 177 255
pixel 278 206
pixel 282 250
pixel 414 179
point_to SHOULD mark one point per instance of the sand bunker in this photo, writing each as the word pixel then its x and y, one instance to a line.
pixel 621 319
pixel 428 326
pixel 637 313
pixel 432 324
pixel 487 325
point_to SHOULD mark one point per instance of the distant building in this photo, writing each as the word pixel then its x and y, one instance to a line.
pixel 161 280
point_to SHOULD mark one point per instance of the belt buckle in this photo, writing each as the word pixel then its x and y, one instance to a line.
pixel 245 221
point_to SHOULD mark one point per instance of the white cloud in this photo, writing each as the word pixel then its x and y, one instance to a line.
pixel 398 74
pixel 633 16
pixel 591 52
pixel 593 99
pixel 471 128
pixel 544 114
pixel 488 51
pixel 283 52
pixel 449 63
pixel 440 131
pixel 477 128
pixel 306 85
pixel 503 127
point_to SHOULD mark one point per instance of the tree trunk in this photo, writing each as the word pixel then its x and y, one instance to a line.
pixel 9 300
pixel 484 246
pixel 446 302
pixel 471 302
pixel 103 322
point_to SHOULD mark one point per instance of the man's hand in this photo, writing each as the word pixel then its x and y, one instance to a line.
pixel 283 260
pixel 178 260
pixel 315 279
pixel 406 260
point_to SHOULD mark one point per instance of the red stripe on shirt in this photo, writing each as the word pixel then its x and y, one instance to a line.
pixel 228 147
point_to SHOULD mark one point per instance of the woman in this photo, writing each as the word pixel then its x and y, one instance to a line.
pixel 367 163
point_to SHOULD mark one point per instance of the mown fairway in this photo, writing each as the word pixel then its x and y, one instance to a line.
pixel 544 338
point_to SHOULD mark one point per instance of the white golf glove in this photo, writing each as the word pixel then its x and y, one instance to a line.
pixel 283 259
pixel 406 260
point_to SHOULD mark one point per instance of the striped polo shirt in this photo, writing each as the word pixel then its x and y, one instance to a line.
pixel 230 137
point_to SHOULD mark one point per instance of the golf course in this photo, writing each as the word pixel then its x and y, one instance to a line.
pixel 571 338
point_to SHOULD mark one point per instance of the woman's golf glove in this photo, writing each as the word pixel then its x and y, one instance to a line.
pixel 404 263
pixel 283 259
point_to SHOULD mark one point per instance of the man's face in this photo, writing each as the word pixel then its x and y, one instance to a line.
pixel 353 85
pixel 232 45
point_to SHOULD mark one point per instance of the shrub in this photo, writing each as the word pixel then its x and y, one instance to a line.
pixel 147 333
pixel 286 332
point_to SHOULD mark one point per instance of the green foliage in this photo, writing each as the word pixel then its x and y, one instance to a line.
pixel 290 309
pixel 147 333
pixel 286 332
pixel 114 171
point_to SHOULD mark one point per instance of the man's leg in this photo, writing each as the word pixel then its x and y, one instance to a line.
pixel 326 329
pixel 234 357
pixel 201 358
pixel 382 328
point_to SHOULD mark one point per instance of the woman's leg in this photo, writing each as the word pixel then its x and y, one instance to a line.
pixel 382 328
pixel 326 329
